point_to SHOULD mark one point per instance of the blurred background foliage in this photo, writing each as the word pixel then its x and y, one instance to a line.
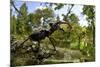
pixel 77 44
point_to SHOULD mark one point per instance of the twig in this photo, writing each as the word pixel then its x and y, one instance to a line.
pixel 69 10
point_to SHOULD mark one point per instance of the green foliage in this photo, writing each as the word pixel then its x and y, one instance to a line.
pixel 76 42
pixel 59 6
pixel 73 18
pixel 89 11
pixel 23 9
pixel 35 19
pixel 46 13
pixel 22 22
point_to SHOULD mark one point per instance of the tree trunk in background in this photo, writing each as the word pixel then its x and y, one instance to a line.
pixel 93 32
pixel 68 40
pixel 79 42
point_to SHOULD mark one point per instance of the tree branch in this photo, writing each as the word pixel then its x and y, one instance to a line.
pixel 70 10
pixel 12 3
